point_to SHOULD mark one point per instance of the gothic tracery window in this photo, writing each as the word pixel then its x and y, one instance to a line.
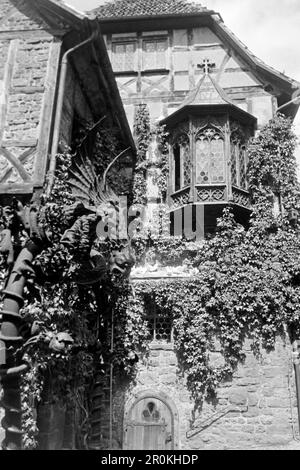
pixel 238 160
pixel 210 157
pixel 182 162
pixel 242 167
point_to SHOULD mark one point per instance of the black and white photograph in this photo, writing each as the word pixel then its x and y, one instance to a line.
pixel 149 228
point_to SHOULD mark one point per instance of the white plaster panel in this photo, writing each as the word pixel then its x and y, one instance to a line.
pixel 153 85
pixel 204 36
pixel 156 110
pixel 237 79
pixel 127 86
pixel 232 64
pixel 181 60
pixel 180 37
pixel 181 82
pixel 215 55
pixel 262 109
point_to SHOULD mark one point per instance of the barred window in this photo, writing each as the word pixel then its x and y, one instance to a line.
pixel 160 325
pixel 155 54
pixel 123 56
pixel 210 157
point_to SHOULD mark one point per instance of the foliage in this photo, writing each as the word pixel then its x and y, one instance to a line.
pixel 54 303
pixel 162 164
pixel 272 168
pixel 247 282
pixel 142 135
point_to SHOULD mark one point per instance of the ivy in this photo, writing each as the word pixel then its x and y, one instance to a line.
pixel 246 281
pixel 141 130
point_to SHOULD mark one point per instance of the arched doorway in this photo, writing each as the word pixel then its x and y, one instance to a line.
pixel 150 422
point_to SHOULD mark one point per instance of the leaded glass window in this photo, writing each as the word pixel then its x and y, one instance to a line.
pixel 210 158
pixel 238 160
pixel 233 164
pixel 242 167
pixel 155 54
pixel 186 163
pixel 202 156
pixel 123 56
pixel 160 326
pixel 182 162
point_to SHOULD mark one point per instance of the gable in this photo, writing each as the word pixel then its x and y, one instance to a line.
pixel 18 15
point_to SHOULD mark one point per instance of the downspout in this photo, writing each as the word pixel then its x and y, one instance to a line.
pixel 296 361
pixel 59 107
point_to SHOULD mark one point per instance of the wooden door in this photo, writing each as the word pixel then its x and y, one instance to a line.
pixel 149 426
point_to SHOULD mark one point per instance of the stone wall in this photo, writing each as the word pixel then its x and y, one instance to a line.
pixel 29 57
pixel 257 409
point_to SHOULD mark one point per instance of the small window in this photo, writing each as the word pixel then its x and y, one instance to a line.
pixel 160 325
pixel 155 54
pixel 123 56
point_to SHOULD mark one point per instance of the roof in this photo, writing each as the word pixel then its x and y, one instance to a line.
pixel 207 92
pixel 245 51
pixel 61 9
pixel 140 8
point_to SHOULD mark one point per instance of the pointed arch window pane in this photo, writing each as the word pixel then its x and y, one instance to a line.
pixel 217 170
pixel 233 164
pixel 202 158
pixel 177 172
pixel 210 158
pixel 242 165
pixel 186 159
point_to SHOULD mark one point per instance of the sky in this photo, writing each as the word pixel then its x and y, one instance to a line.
pixel 269 28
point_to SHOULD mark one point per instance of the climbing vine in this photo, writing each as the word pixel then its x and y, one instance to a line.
pixel 246 281
pixel 141 130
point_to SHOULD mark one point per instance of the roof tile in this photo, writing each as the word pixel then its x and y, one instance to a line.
pixel 136 8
